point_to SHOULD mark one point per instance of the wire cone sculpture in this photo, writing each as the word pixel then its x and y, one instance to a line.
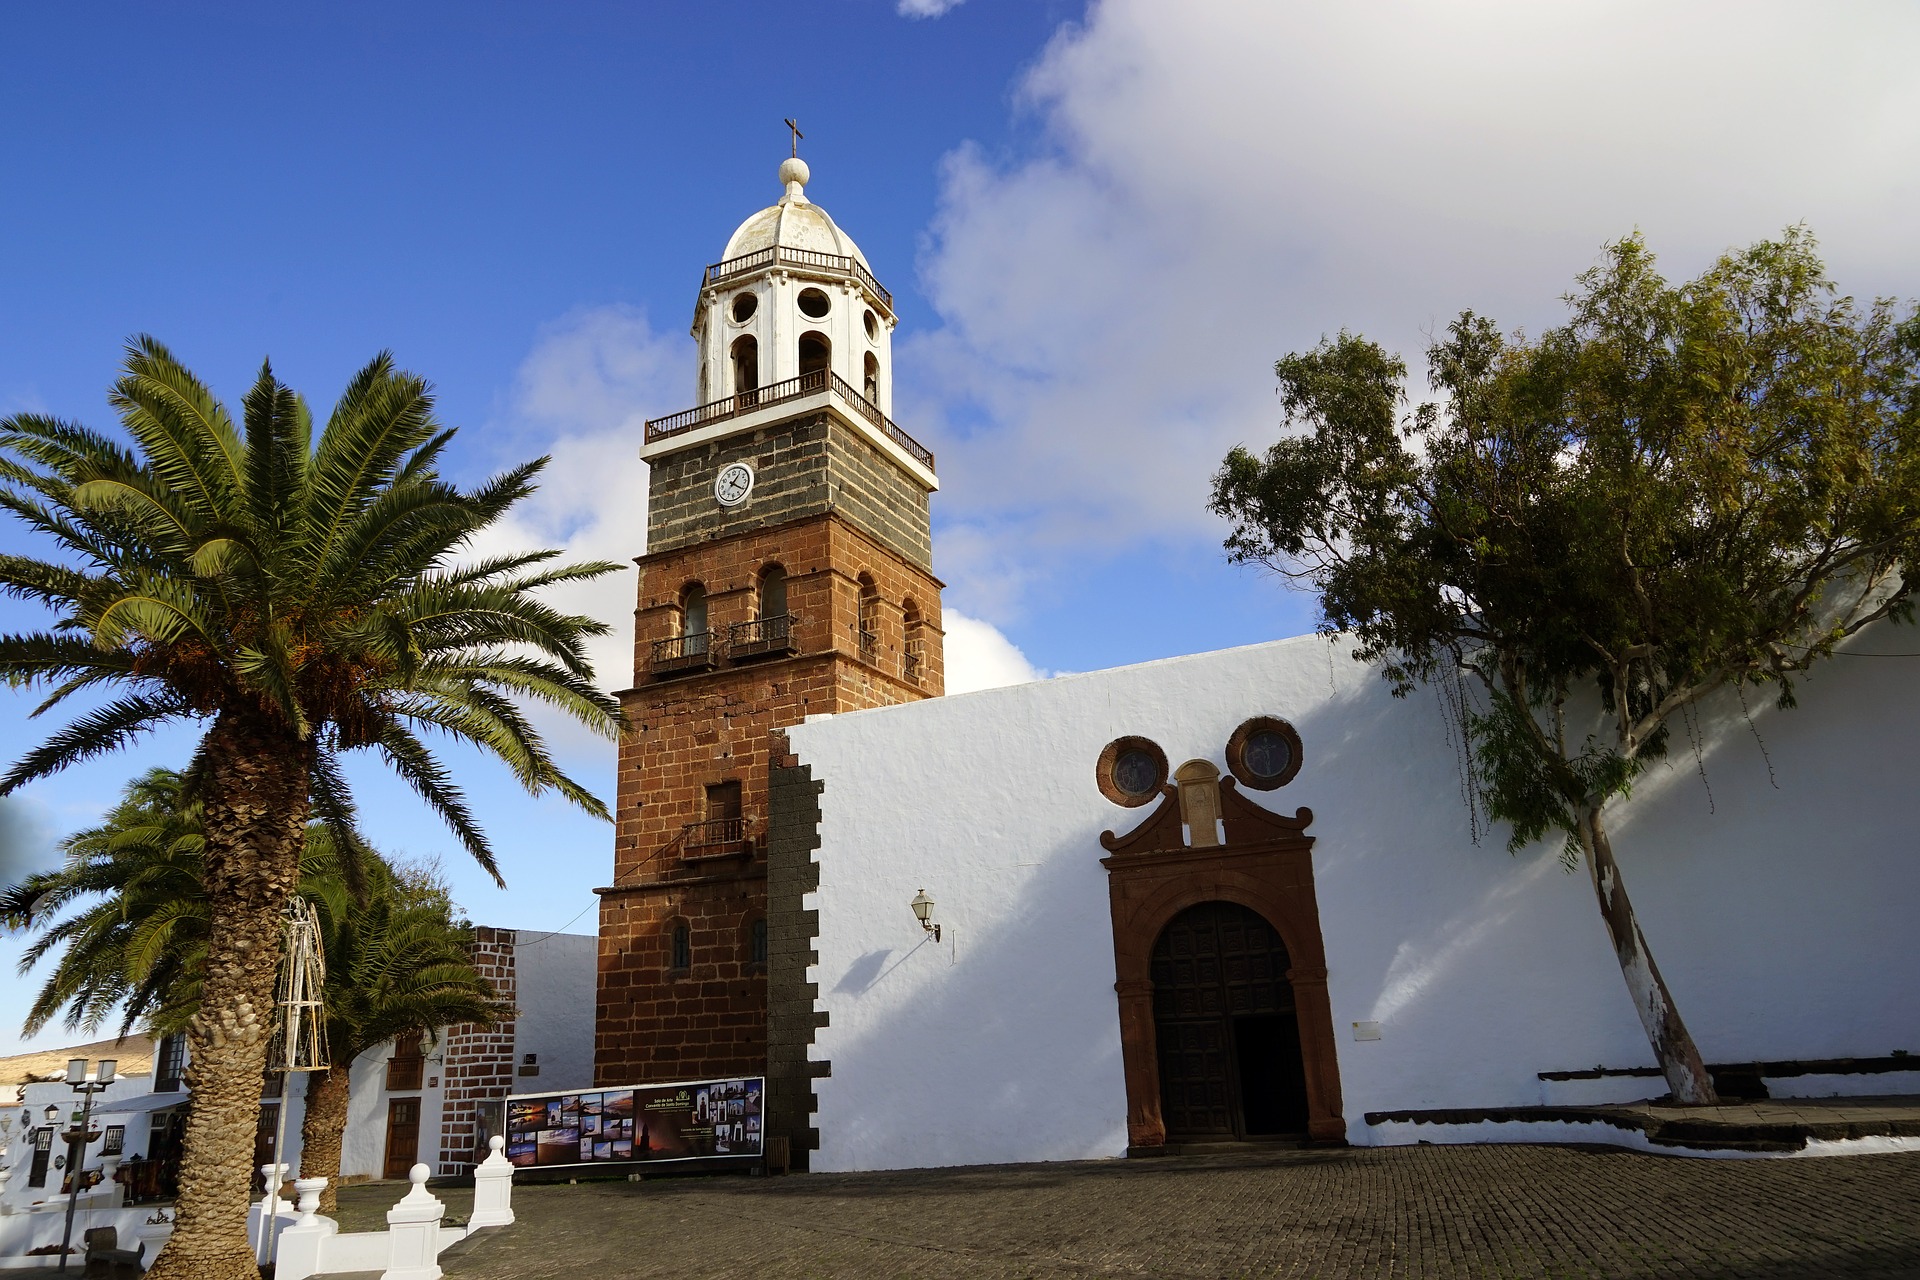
pixel 300 1020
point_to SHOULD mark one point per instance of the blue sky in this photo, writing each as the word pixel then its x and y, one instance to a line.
pixel 1102 225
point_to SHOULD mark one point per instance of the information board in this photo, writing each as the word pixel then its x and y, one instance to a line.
pixel 687 1120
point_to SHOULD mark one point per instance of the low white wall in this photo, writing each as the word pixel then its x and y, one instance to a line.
pixel 1780 915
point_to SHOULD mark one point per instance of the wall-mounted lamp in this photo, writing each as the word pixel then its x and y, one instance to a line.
pixel 923 912
pixel 52 1113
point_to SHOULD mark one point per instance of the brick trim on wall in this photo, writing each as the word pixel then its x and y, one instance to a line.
pixel 793 833
pixel 477 1062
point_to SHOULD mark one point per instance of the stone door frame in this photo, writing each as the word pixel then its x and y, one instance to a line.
pixel 1264 865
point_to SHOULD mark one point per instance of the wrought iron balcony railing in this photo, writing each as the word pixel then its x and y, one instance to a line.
pixel 760 637
pixel 807 384
pixel 716 833
pixel 787 255
pixel 910 666
pixel 681 653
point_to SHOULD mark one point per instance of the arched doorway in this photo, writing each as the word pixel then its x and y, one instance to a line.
pixel 1225 1029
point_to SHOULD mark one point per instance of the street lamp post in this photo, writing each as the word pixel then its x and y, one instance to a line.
pixel 79 1136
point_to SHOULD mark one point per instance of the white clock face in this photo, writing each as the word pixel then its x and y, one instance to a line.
pixel 733 484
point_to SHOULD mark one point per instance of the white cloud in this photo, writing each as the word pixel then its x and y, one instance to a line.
pixel 1217 184
pixel 926 8
pixel 979 657
pixel 585 392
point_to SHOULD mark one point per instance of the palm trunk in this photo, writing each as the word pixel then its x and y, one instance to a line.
pixel 323 1129
pixel 254 794
pixel 1673 1047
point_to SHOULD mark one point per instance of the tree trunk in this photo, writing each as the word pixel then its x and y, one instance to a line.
pixel 254 795
pixel 322 1131
pixel 1673 1046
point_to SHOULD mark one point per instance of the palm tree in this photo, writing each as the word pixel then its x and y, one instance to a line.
pixel 397 966
pixel 397 962
pixel 301 599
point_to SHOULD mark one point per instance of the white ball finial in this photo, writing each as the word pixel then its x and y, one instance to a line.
pixel 793 176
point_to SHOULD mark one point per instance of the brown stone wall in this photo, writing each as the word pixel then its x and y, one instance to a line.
pixel 692 731
pixel 477 1062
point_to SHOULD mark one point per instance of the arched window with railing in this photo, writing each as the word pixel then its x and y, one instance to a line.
pixel 693 619
pixel 913 657
pixel 870 380
pixel 869 632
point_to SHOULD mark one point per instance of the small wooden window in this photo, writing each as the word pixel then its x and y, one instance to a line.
pixel 757 942
pixel 682 958
pixel 723 801
pixel 407 1067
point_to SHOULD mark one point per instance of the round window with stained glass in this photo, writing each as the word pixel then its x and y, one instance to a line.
pixel 1136 772
pixel 1131 771
pixel 1264 753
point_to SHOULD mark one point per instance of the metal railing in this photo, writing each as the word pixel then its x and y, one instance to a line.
pixel 762 635
pixel 807 384
pixel 682 650
pixel 787 255
pixel 869 643
pixel 910 666
pixel 712 833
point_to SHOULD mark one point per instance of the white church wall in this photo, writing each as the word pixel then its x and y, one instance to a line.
pixel 1779 915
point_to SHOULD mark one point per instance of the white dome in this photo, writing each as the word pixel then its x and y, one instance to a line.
pixel 793 223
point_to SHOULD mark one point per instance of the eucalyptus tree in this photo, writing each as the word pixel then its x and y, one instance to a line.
pixel 299 598
pixel 1685 488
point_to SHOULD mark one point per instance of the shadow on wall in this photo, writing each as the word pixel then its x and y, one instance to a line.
pixel 999 1043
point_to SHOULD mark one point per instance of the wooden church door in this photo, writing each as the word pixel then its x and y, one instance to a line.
pixel 1227 1038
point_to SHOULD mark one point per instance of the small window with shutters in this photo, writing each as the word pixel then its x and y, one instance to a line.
pixel 681 958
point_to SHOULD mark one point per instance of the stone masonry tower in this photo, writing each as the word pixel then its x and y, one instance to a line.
pixel 787 574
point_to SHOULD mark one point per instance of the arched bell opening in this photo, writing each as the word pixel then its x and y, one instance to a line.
pixel 745 354
pixel 1226 1030
pixel 870 379
pixel 816 354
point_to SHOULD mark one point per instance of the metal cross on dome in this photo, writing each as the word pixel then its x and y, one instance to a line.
pixel 797 135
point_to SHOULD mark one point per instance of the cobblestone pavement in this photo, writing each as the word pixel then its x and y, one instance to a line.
pixel 1481 1211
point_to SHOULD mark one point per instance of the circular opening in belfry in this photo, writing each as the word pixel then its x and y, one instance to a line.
pixel 814 303
pixel 744 305
pixel 873 326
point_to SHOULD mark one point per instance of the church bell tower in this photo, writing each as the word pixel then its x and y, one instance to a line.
pixel 788 573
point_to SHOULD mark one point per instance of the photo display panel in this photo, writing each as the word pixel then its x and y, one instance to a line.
pixel 692 1120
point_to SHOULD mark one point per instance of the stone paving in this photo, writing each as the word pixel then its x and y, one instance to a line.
pixel 1423 1211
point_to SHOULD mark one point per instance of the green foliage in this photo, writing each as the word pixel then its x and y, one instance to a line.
pixel 125 921
pixel 311 586
pixel 1683 487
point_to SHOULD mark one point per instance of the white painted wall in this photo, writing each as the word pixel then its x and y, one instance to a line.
pixel 1781 917
pixel 554 975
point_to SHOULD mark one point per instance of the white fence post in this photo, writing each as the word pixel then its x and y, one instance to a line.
pixel 302 1242
pixel 413 1232
pixel 493 1188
